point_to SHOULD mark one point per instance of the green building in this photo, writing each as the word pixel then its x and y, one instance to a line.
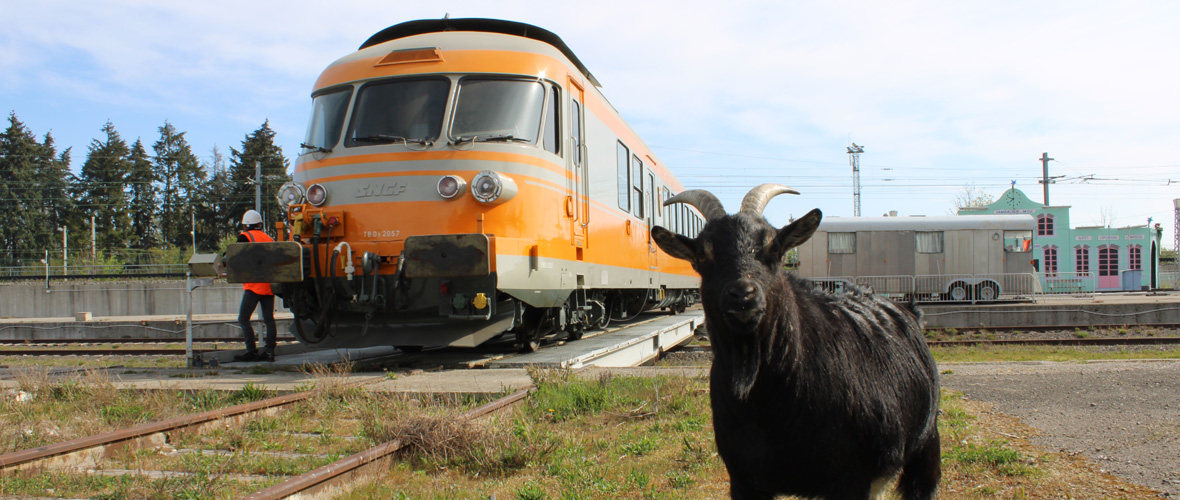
pixel 1086 258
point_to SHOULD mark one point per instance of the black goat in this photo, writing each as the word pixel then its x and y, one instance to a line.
pixel 814 394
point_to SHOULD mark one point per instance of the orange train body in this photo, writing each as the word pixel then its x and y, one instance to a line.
pixel 464 178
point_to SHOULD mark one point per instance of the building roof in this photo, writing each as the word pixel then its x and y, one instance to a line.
pixel 937 223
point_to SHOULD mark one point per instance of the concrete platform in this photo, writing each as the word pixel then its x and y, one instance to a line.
pixel 1098 309
pixel 632 345
pixel 164 327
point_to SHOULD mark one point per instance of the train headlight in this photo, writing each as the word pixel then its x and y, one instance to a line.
pixel 290 194
pixel 451 186
pixel 492 187
pixel 317 194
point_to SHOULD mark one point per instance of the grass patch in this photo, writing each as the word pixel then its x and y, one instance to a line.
pixel 963 354
pixel 574 438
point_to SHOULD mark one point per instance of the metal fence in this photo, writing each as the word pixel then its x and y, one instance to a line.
pixel 1170 280
pixel 942 287
pixel 47 272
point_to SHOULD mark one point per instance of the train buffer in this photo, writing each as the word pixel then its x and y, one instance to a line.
pixel 631 345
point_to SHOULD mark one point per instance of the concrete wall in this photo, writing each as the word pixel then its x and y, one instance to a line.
pixel 1064 315
pixel 64 299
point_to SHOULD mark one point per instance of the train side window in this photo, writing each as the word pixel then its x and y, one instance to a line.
pixel 667 211
pixel 624 178
pixel 576 130
pixel 552 132
pixel 651 197
pixel 929 241
pixel 637 186
pixel 841 242
pixel 676 218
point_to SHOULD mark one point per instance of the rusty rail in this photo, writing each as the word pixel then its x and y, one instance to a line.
pixel 336 477
pixel 91 448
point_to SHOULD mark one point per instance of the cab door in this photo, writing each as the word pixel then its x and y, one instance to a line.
pixel 577 200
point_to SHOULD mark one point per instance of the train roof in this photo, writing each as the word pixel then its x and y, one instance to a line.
pixel 423 26
pixel 937 223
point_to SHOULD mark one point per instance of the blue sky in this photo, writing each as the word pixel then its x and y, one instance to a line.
pixel 729 94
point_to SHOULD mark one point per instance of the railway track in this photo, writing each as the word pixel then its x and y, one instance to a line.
pixel 1091 341
pixel 94 455
pixel 115 347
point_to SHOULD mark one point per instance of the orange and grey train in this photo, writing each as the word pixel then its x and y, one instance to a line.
pixel 462 179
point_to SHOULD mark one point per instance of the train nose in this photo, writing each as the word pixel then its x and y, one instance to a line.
pixel 744 304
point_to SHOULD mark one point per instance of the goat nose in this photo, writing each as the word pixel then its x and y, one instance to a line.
pixel 742 290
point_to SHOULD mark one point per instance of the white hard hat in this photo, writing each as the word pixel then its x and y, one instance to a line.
pixel 251 217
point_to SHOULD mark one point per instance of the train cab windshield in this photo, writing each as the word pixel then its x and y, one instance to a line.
pixel 327 120
pixel 498 110
pixel 398 111
pixel 411 111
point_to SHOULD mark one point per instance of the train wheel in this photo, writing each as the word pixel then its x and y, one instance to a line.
pixel 988 291
pixel 575 332
pixel 528 338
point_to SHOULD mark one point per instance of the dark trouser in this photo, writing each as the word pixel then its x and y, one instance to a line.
pixel 249 301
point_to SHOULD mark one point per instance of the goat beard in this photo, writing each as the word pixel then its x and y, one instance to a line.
pixel 744 356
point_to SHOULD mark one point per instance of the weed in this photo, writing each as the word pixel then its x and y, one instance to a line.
pixel 203 400
pixel 531 491
pixel 643 446
pixel 125 414
pixel 678 479
pixel 250 393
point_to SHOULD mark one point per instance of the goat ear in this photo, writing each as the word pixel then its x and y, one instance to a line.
pixel 673 244
pixel 797 232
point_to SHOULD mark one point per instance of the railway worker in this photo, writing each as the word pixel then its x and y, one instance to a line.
pixel 254 294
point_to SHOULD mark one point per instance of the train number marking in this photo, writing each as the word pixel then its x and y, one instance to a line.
pixel 381 233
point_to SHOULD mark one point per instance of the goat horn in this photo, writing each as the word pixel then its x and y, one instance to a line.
pixel 703 200
pixel 756 200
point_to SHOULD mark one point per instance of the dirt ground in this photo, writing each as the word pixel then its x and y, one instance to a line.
pixel 1123 415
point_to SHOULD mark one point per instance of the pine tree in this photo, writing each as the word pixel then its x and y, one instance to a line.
pixel 180 176
pixel 143 205
pixel 257 148
pixel 32 195
pixel 214 219
pixel 101 189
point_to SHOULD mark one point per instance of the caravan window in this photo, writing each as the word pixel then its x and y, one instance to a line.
pixel 841 242
pixel 929 241
pixel 1018 241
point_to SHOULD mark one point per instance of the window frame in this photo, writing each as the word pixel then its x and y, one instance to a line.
pixel 1050 257
pixel 1046 225
pixel 1081 257
pixel 850 235
pixel 623 177
pixel 935 237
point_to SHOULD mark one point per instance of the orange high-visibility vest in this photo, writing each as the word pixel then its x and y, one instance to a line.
pixel 256 236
